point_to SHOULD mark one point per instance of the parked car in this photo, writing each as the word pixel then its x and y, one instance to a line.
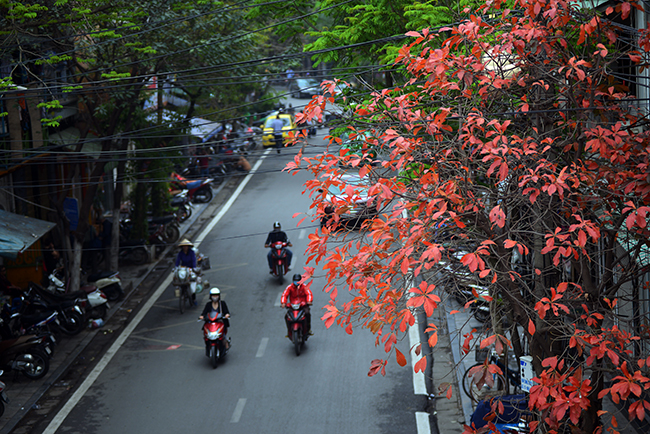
pixel 359 144
pixel 289 125
pixel 304 88
pixel 360 209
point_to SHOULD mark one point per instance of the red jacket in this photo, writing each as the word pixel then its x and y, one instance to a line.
pixel 296 294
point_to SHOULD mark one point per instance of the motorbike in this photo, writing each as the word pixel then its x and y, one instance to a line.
pixel 14 323
pixel 92 300
pixel 184 207
pixel 109 283
pixel 25 354
pixel 70 316
pixel 3 396
pixel 184 280
pixel 170 227
pixel 215 338
pixel 296 319
pixel 279 258
pixel 199 191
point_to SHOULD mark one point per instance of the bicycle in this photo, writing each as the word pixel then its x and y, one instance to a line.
pixel 500 385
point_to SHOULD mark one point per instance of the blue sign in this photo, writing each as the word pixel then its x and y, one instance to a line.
pixel 71 211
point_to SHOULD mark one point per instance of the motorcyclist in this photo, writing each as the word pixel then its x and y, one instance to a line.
pixel 274 236
pixel 217 305
pixel 187 258
pixel 298 292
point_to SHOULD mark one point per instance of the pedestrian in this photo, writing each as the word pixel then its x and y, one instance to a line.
pixel 204 163
pixel 277 126
pixel 290 76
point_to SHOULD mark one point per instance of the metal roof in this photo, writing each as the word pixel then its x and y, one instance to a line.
pixel 18 233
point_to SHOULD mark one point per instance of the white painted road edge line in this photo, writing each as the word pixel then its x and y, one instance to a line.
pixel 90 379
pixel 419 385
pixel 422 422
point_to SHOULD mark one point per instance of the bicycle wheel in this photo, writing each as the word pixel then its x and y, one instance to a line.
pixel 477 394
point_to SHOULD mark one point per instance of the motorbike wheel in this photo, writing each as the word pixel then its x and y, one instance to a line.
pixel 181 300
pixel 481 315
pixel 214 357
pixel 40 367
pixel 297 341
pixel 73 325
pixel 203 195
pixel 279 269
pixel 171 234
pixel 185 212
pixel 2 408
pixel 113 292
pixel 476 394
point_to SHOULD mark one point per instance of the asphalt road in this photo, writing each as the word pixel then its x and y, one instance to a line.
pixel 161 381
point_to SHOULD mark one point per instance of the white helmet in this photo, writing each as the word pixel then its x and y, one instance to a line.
pixel 215 291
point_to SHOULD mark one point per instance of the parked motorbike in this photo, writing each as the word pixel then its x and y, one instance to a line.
pixel 14 323
pixel 92 300
pixel 3 397
pixel 25 354
pixel 182 202
pixel 170 227
pixel 279 257
pixel 109 283
pixel 296 319
pixel 214 335
pixel 70 316
pixel 199 191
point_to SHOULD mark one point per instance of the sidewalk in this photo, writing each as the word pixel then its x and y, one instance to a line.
pixel 23 393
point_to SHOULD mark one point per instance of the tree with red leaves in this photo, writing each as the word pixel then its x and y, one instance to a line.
pixel 516 150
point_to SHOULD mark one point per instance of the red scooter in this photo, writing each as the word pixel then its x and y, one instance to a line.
pixel 279 257
pixel 214 334
pixel 296 319
pixel 199 191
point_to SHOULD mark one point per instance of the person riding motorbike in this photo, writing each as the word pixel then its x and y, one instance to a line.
pixel 187 258
pixel 298 292
pixel 217 305
pixel 274 236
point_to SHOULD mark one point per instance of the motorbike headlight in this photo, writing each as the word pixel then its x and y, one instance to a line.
pixel 295 306
pixel 213 335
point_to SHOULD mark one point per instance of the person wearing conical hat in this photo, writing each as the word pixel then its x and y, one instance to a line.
pixel 187 258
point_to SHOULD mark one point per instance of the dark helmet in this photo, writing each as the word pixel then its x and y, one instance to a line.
pixel 296 278
pixel 277 225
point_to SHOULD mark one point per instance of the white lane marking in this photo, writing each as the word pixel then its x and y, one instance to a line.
pixel 419 386
pixel 422 422
pixel 90 379
pixel 262 347
pixel 239 408
pixel 277 300
pixel 302 234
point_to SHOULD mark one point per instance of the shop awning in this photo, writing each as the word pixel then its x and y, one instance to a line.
pixel 18 233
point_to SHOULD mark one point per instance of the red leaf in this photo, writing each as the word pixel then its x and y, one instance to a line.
pixel 531 327
pixel 421 365
pixel 401 360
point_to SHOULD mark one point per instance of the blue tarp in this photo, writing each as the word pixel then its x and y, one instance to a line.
pixel 18 233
